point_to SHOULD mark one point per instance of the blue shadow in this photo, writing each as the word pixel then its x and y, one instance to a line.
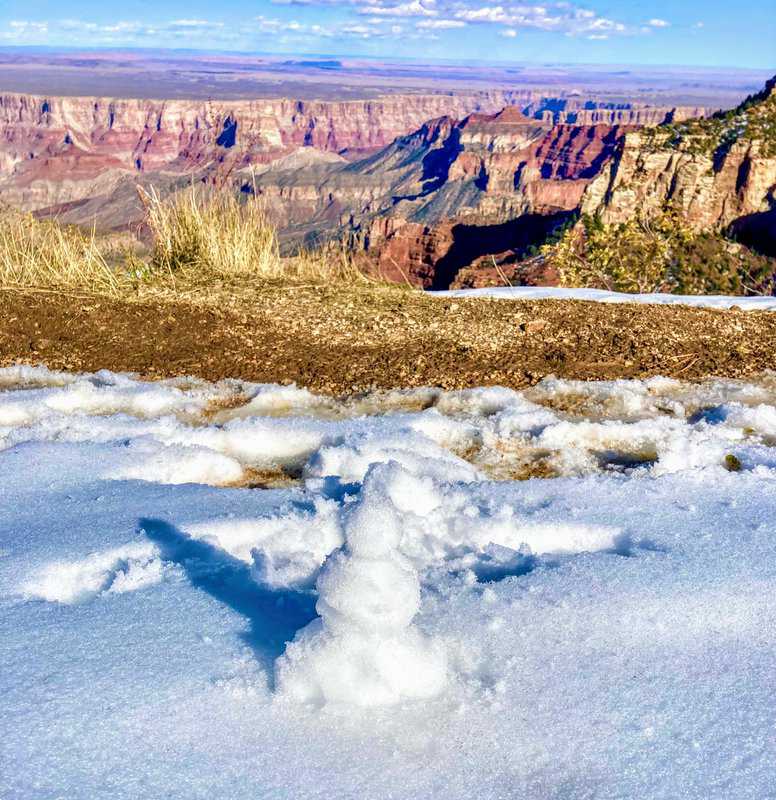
pixel 274 616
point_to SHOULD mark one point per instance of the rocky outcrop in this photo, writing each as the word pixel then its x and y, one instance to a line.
pixel 709 191
pixel 488 186
pixel 715 173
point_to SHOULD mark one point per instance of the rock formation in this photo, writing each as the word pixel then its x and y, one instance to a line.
pixel 435 189
pixel 56 150
pixel 716 173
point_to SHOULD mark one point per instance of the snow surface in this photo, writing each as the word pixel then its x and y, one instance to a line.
pixel 402 618
pixel 603 296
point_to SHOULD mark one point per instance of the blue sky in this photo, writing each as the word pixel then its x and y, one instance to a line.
pixel 693 32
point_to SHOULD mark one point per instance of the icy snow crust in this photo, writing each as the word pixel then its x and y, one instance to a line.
pixel 603 296
pixel 402 615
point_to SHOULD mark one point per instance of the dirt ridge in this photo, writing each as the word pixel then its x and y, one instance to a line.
pixel 340 342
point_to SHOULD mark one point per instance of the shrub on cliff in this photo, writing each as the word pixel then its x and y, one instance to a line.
pixel 657 254
pixel 754 120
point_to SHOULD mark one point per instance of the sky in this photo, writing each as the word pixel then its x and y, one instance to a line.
pixel 688 32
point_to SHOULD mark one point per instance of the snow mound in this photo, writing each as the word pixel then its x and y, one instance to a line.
pixel 124 569
pixel 175 464
pixel 602 296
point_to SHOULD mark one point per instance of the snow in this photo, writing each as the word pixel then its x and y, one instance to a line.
pixel 363 650
pixel 123 569
pixel 403 618
pixel 602 296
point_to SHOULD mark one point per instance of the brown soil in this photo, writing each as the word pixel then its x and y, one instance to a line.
pixel 341 341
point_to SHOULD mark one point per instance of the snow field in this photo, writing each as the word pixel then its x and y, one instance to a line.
pixel 393 622
pixel 603 296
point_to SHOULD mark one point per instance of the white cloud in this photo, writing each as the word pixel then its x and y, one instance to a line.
pixel 359 19
pixel 560 17
pixel 26 29
pixel 484 14
pixel 659 23
pixel 194 23
pixel 441 24
pixel 415 8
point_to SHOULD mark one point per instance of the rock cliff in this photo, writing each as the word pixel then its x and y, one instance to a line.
pixel 717 173
pixel 56 150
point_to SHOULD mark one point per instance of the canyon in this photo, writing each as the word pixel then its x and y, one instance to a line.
pixel 462 203
pixel 61 149
pixel 433 188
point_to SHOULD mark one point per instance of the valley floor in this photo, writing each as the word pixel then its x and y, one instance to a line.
pixel 337 340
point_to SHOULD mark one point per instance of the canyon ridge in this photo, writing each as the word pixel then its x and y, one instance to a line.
pixel 435 189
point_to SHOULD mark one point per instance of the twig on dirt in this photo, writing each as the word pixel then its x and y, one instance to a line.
pixel 500 272
pixel 689 364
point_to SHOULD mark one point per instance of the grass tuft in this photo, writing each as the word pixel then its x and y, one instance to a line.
pixel 46 254
pixel 210 233
pixel 215 234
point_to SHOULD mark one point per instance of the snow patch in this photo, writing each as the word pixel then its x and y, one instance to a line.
pixel 123 569
pixel 618 614
pixel 602 296
pixel 177 464
pixel 285 550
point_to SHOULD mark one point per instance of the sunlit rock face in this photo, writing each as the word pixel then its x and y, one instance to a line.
pixel 713 174
pixel 58 149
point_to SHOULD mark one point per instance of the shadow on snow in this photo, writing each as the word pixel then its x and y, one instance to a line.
pixel 274 616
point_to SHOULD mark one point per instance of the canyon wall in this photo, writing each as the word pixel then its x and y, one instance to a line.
pixel 56 150
pixel 60 149
pixel 709 189
pixel 718 173
pixel 491 184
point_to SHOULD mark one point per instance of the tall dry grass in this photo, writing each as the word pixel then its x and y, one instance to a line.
pixel 214 234
pixel 203 237
pixel 210 232
pixel 45 254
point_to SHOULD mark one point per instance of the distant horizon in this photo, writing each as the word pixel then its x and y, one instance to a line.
pixel 355 57
pixel 695 33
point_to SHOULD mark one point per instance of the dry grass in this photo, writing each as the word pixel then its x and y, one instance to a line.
pixel 45 254
pixel 199 240
pixel 210 234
